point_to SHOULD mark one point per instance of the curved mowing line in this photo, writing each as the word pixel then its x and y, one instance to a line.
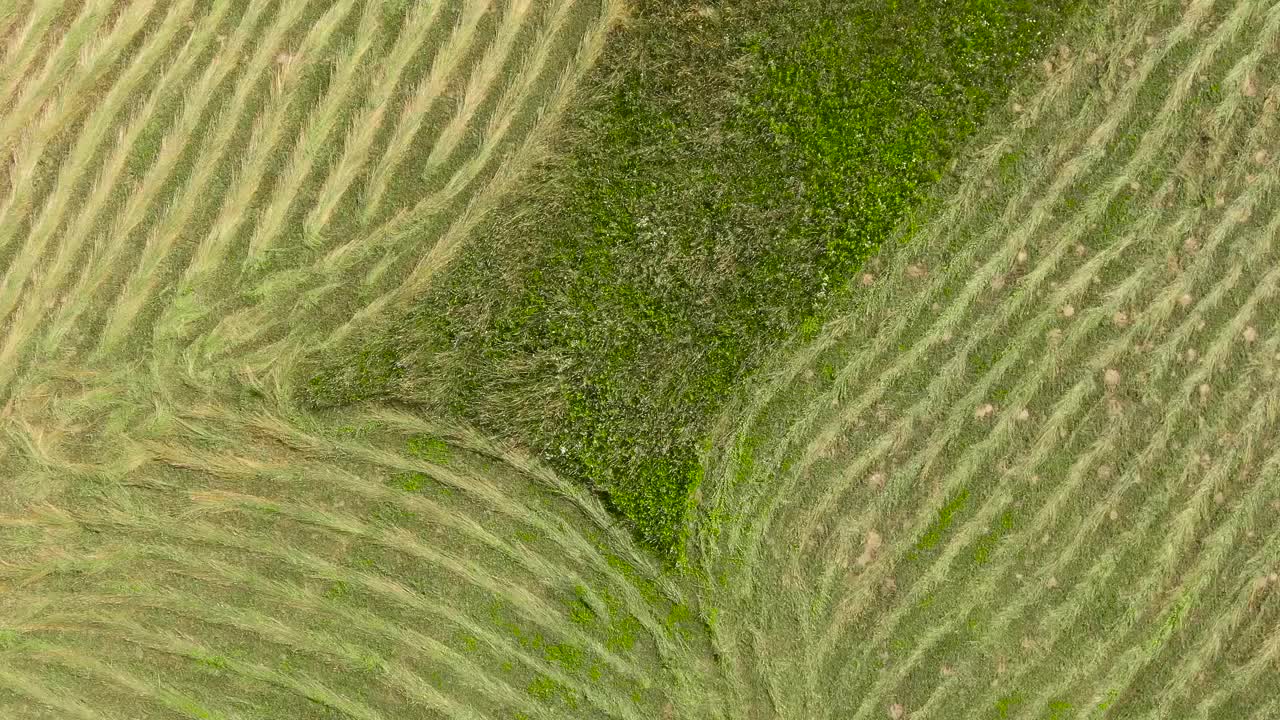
pixel 156 691
pixel 269 317
pixel 26 686
pixel 565 535
pixel 132 633
pixel 298 597
pixel 473 486
pixel 213 247
pixel 101 268
pixel 390 590
pixel 532 609
pixel 315 642
pixel 70 251
pixel 886 340
pixel 534 563
pixel 975 286
pixel 1032 222
pixel 443 250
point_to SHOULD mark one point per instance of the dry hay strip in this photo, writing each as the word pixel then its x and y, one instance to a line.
pixel 203 537
pixel 112 262
pixel 146 491
pixel 382 255
pixel 76 228
pixel 826 523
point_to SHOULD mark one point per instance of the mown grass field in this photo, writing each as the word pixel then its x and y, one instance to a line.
pixel 1020 463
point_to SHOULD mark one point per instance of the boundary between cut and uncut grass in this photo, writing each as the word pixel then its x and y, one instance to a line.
pixel 724 174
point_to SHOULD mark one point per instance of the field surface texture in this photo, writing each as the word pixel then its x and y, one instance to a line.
pixel 1026 466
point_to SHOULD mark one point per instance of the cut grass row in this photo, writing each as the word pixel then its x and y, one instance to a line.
pixel 218 129
pixel 434 574
pixel 177 547
pixel 911 451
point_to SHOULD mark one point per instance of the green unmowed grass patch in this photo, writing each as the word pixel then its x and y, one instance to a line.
pixel 726 172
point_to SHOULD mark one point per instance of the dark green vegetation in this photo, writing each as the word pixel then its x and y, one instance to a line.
pixel 727 171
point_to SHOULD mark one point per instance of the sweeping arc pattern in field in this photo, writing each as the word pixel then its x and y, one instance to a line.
pixel 145 546
pixel 829 522
pixel 264 337
pixel 375 564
